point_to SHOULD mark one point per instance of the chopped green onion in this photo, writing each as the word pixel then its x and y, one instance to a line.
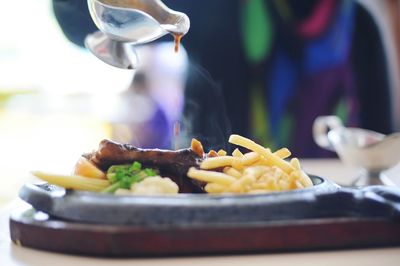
pixel 123 176
pixel 150 172
pixel 111 189
pixel 136 166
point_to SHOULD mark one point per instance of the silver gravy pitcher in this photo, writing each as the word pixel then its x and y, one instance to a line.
pixel 124 24
pixel 371 151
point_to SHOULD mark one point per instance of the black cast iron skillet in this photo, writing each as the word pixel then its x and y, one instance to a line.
pixel 324 200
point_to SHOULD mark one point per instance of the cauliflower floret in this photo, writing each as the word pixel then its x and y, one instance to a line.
pixel 155 185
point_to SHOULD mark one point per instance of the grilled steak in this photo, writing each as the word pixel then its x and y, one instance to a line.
pixel 172 164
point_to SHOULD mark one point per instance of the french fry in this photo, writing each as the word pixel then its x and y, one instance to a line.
pixel 232 172
pixel 272 159
pixel 214 188
pixel 272 183
pixel 216 162
pixel 222 152
pixel 284 185
pixel 249 144
pixel 237 153
pixel 249 158
pixel 305 179
pixel 298 184
pixel 278 173
pixel 237 164
pixel 255 171
pixel 241 185
pixel 210 176
pixel 259 186
pixel 295 163
pixel 73 181
pixel 283 153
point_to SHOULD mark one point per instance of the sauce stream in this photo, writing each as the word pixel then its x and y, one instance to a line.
pixel 178 38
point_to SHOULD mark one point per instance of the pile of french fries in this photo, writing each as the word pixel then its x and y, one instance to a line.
pixel 258 171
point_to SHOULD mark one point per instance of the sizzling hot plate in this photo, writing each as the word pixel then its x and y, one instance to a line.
pixel 325 199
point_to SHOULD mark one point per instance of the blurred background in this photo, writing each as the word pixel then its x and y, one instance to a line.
pixel 261 68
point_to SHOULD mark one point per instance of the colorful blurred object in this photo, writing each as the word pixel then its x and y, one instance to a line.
pixel 283 63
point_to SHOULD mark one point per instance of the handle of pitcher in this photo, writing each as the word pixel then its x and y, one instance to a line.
pixel 322 126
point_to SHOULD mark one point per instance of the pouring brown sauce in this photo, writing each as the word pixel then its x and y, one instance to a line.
pixel 177 38
pixel 178 35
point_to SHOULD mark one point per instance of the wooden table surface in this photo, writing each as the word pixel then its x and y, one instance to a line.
pixel 13 255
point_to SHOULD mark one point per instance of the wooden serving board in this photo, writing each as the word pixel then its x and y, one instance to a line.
pixel 37 230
